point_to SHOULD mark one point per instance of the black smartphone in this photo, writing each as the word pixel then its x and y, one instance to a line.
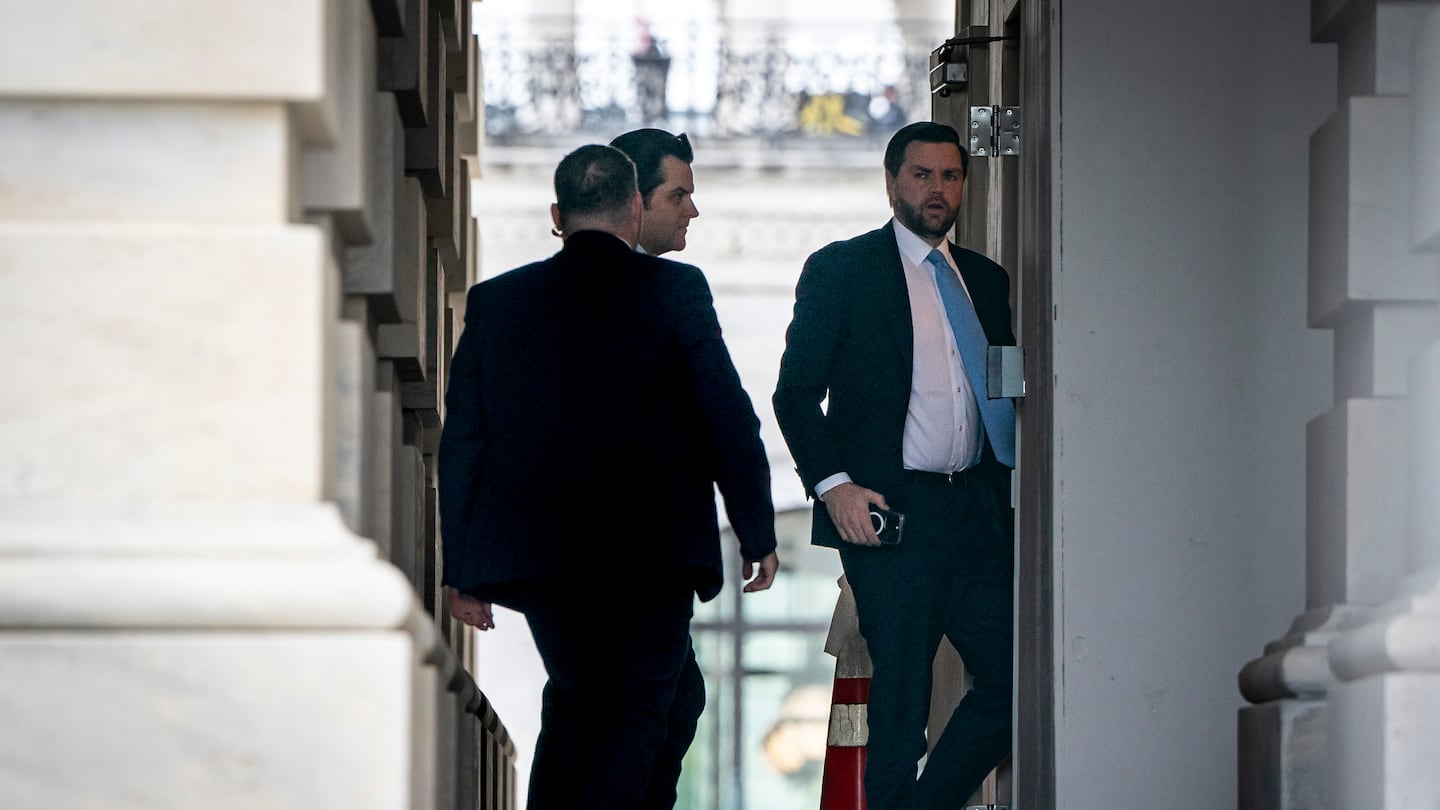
pixel 889 526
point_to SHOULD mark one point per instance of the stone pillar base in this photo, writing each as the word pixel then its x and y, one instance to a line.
pixel 1385 730
pixel 220 656
pixel 223 720
pixel 1282 755
pixel 1385 706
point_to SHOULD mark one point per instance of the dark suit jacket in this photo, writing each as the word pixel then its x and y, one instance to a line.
pixel 591 410
pixel 851 339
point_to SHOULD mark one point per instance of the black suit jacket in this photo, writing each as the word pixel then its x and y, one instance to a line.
pixel 591 410
pixel 852 340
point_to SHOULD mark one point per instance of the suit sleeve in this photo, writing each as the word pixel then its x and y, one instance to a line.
pixel 739 462
pixel 811 345
pixel 462 443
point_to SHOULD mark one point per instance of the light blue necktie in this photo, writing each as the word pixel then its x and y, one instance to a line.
pixel 998 415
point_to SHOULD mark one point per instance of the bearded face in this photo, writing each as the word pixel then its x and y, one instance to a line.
pixel 925 194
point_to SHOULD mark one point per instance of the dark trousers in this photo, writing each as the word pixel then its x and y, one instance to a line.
pixel 950 577
pixel 622 700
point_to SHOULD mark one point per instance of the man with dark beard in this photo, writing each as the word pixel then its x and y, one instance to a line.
pixel 891 328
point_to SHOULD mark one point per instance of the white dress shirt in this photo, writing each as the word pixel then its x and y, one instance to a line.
pixel 942 422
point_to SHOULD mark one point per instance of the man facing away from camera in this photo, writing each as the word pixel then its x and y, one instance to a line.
pixel 891 327
pixel 592 410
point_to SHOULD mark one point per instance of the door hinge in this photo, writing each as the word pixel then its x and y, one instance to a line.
pixel 994 131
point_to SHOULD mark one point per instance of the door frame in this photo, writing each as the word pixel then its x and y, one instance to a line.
pixel 1011 215
pixel 1037 573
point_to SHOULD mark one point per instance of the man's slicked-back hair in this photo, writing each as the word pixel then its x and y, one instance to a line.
pixel 922 132
pixel 594 181
pixel 648 147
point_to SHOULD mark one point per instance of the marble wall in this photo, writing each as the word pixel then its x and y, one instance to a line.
pixel 231 237
pixel 1346 701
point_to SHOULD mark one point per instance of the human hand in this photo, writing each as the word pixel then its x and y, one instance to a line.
pixel 471 611
pixel 765 576
pixel 849 507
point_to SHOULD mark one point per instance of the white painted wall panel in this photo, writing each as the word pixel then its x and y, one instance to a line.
pixel 1185 376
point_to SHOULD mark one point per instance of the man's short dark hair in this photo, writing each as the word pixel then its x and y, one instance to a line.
pixel 594 180
pixel 648 147
pixel 922 132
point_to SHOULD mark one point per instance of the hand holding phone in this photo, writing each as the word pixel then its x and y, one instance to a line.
pixel 889 526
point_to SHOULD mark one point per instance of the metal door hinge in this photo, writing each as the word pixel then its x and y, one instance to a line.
pixel 994 131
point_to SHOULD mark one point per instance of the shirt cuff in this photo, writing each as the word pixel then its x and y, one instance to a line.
pixel 830 483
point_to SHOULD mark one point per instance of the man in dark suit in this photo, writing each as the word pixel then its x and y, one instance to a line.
pixel 885 327
pixel 592 410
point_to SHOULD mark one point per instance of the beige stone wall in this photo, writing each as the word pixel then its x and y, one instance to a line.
pixel 229 235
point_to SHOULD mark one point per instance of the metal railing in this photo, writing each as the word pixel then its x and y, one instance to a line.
pixel 777 80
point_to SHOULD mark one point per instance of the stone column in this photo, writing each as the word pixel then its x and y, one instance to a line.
pixel 192 610
pixel 1379 298
pixel 1385 705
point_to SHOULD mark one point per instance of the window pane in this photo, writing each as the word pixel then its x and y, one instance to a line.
pixel 786 724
